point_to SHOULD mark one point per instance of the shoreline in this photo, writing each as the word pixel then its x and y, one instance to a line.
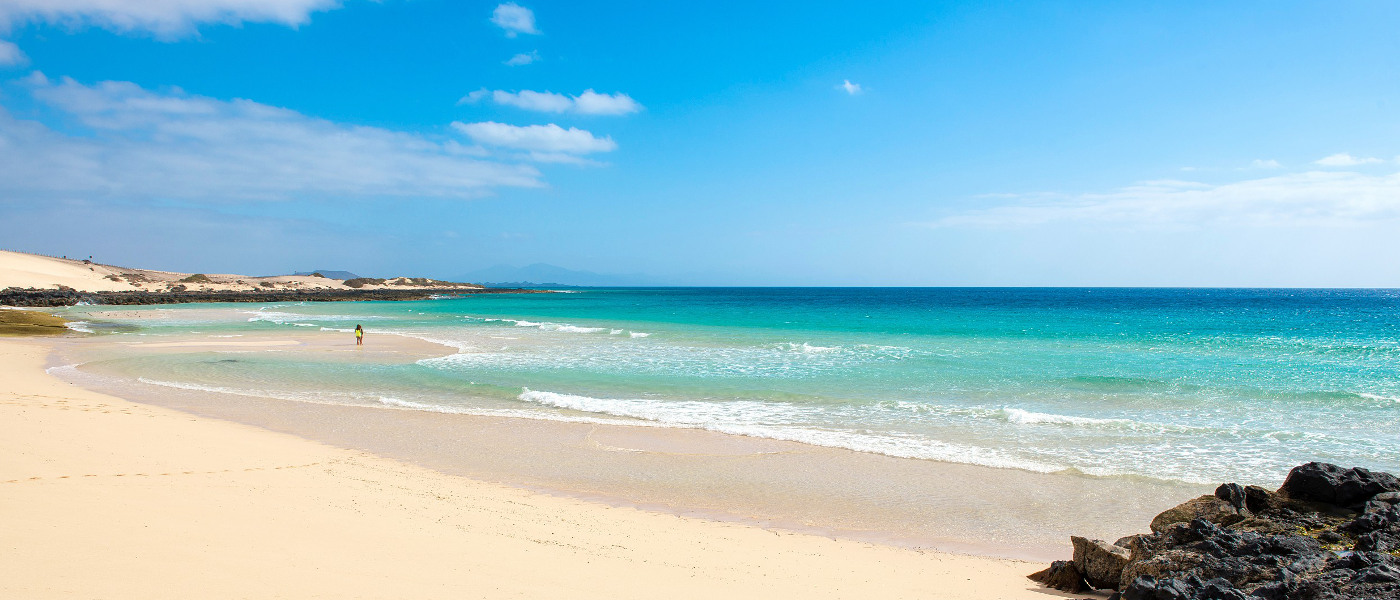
pixel 122 499
pixel 47 298
pixel 910 503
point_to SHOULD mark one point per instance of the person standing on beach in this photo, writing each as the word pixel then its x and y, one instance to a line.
pixel 359 336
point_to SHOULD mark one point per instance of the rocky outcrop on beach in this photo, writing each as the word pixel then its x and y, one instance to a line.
pixel 1328 533
pixel 32 297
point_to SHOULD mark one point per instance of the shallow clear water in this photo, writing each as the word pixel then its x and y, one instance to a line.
pixel 1190 385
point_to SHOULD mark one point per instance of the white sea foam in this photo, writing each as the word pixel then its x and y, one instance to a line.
pixel 772 421
pixel 805 348
pixel 638 334
pixel 1369 396
pixel 1026 417
pixel 81 326
pixel 62 370
pixel 284 318
pixel 571 328
pixel 552 326
pixel 203 388
pixel 411 405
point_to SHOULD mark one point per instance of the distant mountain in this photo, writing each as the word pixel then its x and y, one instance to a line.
pixel 330 274
pixel 540 274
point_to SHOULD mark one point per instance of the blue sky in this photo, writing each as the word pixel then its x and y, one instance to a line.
pixel 879 143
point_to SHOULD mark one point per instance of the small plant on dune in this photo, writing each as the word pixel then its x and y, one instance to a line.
pixel 197 278
pixel 318 275
pixel 360 282
pixel 267 284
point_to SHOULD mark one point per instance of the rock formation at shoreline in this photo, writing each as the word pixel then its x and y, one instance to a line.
pixel 1328 533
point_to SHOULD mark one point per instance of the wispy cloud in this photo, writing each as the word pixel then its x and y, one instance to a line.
pixel 849 88
pixel 1308 199
pixel 587 103
pixel 514 19
pixel 164 18
pixel 1265 164
pixel 523 59
pixel 120 140
pixel 552 140
pixel 1346 160
pixel 10 55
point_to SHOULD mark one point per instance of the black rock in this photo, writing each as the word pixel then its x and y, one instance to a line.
pixel 1062 575
pixel 1233 493
pixel 1285 545
pixel 1323 482
pixel 1189 588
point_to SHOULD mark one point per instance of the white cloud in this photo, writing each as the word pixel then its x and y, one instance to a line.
pixel 587 103
pixel 124 141
pixel 1346 160
pixel 515 19
pixel 1265 164
pixel 1303 199
pixel 10 55
pixel 536 101
pixel 523 59
pixel 849 88
pixel 165 18
pixel 593 103
pixel 536 138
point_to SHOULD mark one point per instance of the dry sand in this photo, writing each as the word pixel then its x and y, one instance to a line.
pixel 105 498
pixel 21 270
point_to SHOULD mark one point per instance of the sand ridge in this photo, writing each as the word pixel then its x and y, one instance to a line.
pixel 22 270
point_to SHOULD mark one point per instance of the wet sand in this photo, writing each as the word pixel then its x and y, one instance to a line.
pixel 115 499
pixel 776 484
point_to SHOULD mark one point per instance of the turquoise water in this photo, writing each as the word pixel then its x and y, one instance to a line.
pixel 1190 385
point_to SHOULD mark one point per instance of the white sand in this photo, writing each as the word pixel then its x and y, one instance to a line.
pixel 105 498
pixel 34 271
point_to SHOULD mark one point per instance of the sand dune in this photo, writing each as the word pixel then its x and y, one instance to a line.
pixel 33 271
pixel 22 270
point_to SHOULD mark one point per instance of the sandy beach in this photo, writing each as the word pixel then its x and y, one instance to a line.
pixel 115 499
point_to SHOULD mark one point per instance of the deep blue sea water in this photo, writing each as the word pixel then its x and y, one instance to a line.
pixel 1198 385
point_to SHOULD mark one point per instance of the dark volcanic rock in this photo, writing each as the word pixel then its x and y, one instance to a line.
pixel 1101 562
pixel 1190 588
pixel 1328 534
pixel 1233 493
pixel 1331 484
pixel 1062 575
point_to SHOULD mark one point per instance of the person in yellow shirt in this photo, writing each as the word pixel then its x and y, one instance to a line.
pixel 359 336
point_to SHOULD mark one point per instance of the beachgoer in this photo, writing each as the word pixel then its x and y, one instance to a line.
pixel 359 336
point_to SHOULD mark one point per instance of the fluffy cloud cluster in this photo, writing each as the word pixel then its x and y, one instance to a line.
pixel 1308 199
pixel 166 18
pixel 1346 160
pixel 550 139
pixel 523 59
pixel 10 54
pixel 515 19
pixel 587 103
pixel 123 141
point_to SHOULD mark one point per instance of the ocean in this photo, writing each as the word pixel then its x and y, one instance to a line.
pixel 1187 385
